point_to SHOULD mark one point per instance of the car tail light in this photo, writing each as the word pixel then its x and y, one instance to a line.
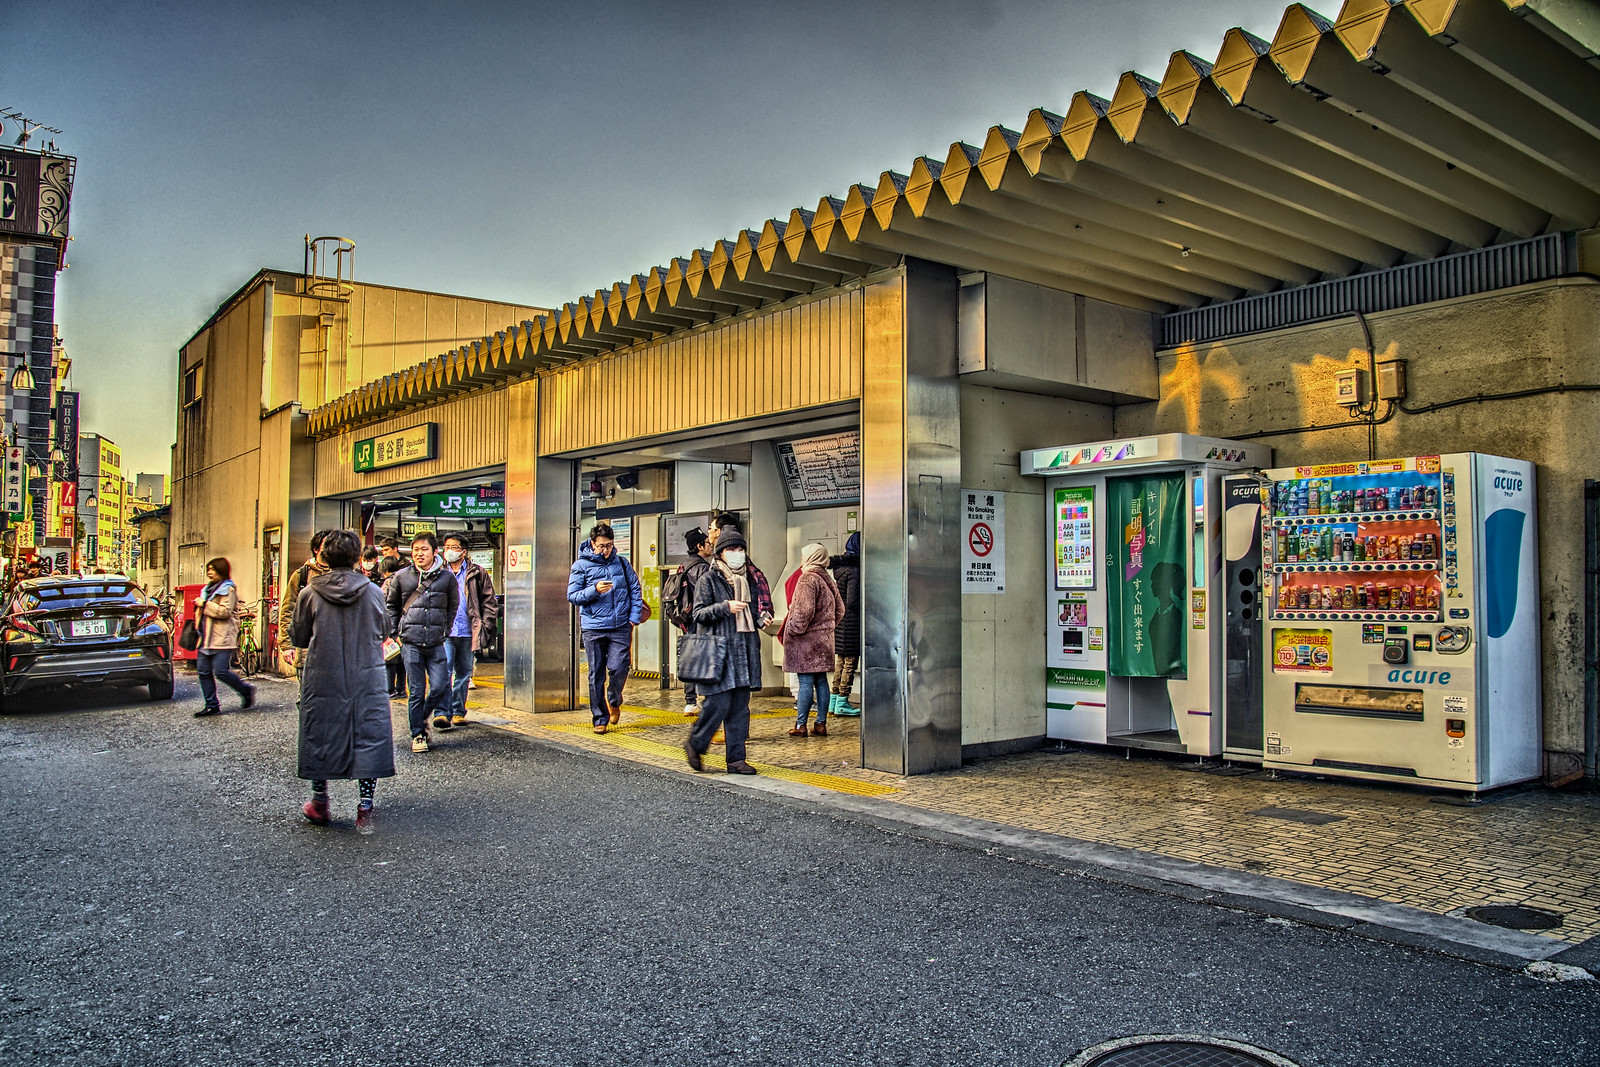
pixel 161 650
pixel 20 622
pixel 13 664
pixel 147 618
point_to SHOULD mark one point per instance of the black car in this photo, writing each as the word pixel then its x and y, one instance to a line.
pixel 91 631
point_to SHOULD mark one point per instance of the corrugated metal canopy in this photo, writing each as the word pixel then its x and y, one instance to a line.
pixel 1395 133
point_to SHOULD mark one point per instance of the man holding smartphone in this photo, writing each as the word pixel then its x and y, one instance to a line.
pixel 610 604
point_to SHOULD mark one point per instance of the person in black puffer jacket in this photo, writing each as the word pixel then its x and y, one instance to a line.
pixel 847 635
pixel 423 599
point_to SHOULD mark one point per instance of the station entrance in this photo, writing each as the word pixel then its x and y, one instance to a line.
pixel 470 504
pixel 788 484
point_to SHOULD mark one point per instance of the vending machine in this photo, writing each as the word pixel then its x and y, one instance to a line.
pixel 1134 590
pixel 1402 641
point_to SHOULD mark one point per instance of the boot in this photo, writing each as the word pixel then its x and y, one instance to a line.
pixel 316 809
pixel 835 701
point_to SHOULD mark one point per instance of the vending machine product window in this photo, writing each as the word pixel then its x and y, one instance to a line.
pixel 1360 546
pixel 1074 529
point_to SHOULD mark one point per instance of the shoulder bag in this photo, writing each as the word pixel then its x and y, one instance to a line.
pixel 700 658
pixel 189 636
pixel 391 645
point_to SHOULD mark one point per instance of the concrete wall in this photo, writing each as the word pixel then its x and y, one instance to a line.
pixel 1511 340
pixel 1003 635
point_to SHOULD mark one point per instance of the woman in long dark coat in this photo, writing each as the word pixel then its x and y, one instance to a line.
pixel 725 605
pixel 339 620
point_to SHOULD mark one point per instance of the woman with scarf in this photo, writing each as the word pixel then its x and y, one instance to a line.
pixel 723 605
pixel 216 612
pixel 815 609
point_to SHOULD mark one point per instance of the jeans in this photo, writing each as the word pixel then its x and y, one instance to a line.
pixel 813 684
pixel 214 664
pixel 427 671
pixel 730 710
pixel 459 654
pixel 607 653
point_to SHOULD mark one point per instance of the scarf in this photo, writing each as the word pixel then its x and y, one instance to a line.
pixel 815 558
pixel 744 620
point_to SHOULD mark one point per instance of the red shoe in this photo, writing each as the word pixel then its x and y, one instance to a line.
pixel 316 810
pixel 365 823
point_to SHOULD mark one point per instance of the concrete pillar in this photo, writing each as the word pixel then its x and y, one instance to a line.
pixel 911 489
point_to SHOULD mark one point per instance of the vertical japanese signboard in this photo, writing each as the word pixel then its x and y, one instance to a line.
pixel 983 546
pixel 1146 584
pixel 14 494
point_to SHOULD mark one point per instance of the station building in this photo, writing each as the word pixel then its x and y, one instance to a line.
pixel 1202 253
pixel 243 485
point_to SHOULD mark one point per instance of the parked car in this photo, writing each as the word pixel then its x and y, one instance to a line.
pixel 83 631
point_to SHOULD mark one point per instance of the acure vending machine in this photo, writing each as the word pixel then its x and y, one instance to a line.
pixel 1402 641
pixel 1134 589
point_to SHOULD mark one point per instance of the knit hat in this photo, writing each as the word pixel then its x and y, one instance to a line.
pixel 731 538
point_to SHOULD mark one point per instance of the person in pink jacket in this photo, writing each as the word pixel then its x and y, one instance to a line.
pixel 815 608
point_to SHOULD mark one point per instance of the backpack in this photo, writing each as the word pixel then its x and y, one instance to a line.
pixel 672 599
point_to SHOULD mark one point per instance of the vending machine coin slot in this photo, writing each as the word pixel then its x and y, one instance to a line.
pixel 1452 640
pixel 1422 642
pixel 1455 727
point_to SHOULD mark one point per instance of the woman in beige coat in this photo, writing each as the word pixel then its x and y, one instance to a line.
pixel 216 614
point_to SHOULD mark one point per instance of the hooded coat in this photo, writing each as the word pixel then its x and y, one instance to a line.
pixel 345 732
pixel 847 573
pixel 815 609
pixel 621 606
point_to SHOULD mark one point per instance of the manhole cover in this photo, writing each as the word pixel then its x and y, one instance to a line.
pixel 1516 917
pixel 1176 1050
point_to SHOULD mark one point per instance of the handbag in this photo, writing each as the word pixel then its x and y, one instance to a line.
pixel 700 658
pixel 391 648
pixel 189 636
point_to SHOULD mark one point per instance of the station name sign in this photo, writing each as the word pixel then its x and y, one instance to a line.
pixel 459 505
pixel 396 449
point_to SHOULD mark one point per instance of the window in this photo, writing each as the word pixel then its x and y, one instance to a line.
pixel 194 383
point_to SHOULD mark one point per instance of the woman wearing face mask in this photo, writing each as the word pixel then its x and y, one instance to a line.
pixel 723 606
pixel 369 565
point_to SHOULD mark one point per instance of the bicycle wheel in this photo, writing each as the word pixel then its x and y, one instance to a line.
pixel 249 662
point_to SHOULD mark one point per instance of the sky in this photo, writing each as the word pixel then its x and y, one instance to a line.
pixel 528 152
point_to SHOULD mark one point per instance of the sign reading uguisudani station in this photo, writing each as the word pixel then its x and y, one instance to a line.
pixel 411 445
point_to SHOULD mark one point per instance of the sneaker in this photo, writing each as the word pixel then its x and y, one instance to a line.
pixel 441 722
pixel 690 711
pixel 364 819
pixel 458 720
pixel 419 743
pixel 203 712
pixel 316 810
pixel 248 697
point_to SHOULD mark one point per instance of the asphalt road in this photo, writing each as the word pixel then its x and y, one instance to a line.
pixel 163 903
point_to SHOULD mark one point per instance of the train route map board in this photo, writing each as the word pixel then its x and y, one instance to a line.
pixel 1074 529
pixel 819 471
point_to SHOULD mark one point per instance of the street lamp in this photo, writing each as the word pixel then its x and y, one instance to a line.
pixel 22 378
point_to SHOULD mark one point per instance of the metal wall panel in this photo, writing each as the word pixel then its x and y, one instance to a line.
pixel 522 413
pixel 911 480
pixel 472 434
pixel 794 357
pixel 555 546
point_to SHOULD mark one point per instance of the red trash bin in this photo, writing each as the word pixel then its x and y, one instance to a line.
pixel 188 594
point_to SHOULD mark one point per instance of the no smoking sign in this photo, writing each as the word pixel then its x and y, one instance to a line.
pixel 983 550
pixel 981 538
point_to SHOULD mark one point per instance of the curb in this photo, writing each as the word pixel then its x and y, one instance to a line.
pixel 1264 894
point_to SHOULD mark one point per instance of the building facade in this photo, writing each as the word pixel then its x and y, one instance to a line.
pixel 284 343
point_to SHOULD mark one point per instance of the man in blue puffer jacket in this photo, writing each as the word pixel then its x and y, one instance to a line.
pixel 610 604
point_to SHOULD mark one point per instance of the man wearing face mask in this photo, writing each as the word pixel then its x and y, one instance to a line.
pixel 610 604
pixel 477 607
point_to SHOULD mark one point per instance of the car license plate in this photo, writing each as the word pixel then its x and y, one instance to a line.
pixel 89 628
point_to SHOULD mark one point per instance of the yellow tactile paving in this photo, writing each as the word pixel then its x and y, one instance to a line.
pixel 1533 847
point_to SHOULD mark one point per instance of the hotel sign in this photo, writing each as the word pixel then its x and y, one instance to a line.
pixel 396 449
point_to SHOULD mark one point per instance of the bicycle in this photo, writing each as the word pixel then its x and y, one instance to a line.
pixel 249 653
